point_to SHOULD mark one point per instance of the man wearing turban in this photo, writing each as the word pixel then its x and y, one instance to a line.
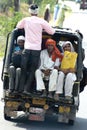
pixel 49 60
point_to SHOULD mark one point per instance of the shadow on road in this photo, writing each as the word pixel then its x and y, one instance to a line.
pixel 49 124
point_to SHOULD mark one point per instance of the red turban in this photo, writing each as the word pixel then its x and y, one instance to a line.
pixel 56 53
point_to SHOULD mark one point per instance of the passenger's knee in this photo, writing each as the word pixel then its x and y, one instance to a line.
pixel 12 67
pixel 61 73
pixel 69 75
pixel 55 71
pixel 18 70
pixel 12 72
pixel 37 72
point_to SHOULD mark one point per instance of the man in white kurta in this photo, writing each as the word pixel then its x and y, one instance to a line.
pixel 47 70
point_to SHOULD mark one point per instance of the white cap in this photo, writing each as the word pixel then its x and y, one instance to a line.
pixel 47 6
pixel 20 38
pixel 33 9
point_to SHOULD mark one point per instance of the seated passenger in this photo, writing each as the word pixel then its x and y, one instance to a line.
pixel 49 60
pixel 67 72
pixel 16 56
pixel 15 70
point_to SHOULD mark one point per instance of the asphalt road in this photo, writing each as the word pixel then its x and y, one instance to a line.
pixel 76 21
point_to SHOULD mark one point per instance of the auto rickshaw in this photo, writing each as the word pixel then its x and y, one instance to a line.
pixel 34 106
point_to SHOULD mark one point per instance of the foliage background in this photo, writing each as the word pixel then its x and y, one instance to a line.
pixel 9 18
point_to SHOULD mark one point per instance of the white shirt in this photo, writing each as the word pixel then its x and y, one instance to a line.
pixel 46 62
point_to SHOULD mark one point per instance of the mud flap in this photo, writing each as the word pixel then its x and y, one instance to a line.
pixel 10 113
pixel 66 114
pixel 64 118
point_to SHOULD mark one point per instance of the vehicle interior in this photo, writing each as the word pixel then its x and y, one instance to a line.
pixel 60 37
pixel 35 107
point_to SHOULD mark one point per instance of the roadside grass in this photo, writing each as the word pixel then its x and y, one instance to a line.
pixel 2 45
pixel 8 22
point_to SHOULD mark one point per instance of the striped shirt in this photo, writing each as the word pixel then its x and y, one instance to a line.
pixel 33 27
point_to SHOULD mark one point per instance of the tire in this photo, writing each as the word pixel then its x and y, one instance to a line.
pixel 71 122
pixel 6 117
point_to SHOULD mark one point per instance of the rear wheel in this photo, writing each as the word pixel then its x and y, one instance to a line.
pixel 6 117
pixel 71 122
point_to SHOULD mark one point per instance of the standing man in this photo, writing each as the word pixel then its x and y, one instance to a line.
pixel 33 27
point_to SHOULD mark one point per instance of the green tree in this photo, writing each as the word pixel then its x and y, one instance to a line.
pixel 30 1
pixel 16 5
pixel 5 4
pixel 38 2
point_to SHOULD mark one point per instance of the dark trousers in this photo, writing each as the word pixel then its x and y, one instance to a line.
pixel 14 78
pixel 29 63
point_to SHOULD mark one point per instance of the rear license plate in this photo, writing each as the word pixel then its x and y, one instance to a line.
pixel 36 117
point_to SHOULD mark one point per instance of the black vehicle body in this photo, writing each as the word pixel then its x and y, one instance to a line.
pixel 36 107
